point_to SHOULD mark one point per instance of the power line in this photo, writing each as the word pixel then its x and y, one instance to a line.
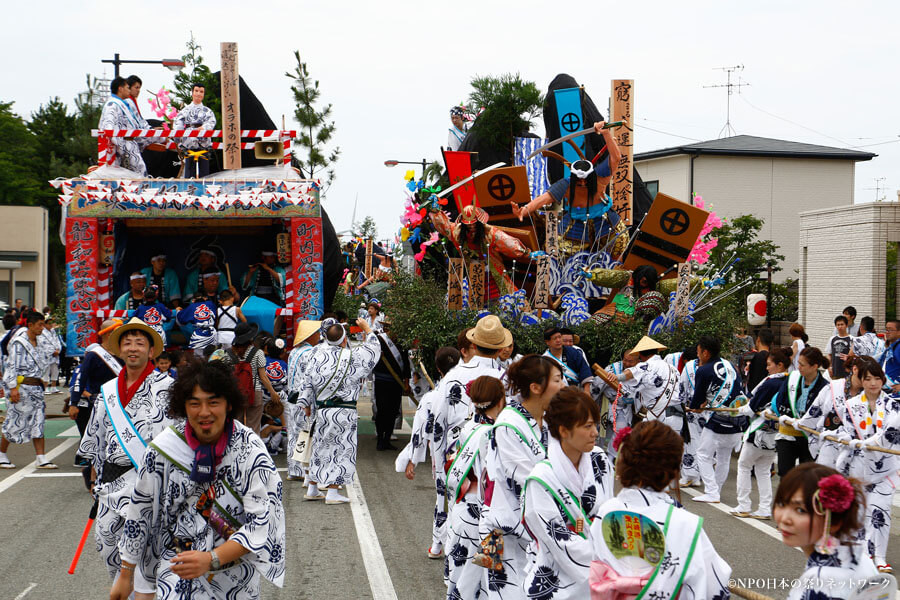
pixel 684 137
pixel 830 137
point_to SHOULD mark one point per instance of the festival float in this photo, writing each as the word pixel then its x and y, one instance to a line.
pixel 116 220
pixel 516 242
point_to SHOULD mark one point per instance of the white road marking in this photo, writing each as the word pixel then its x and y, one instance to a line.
pixel 70 432
pixel 53 474
pixel 769 531
pixel 376 568
pixel 31 467
pixel 25 591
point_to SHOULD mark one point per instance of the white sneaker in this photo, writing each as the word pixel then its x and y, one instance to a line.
pixel 706 498
pixel 334 497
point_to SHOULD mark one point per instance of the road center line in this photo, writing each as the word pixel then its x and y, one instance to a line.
pixel 373 560
pixel 31 467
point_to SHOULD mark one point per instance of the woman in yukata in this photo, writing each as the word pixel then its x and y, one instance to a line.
pixel 562 497
pixel 518 442
pixel 818 510
pixel 644 543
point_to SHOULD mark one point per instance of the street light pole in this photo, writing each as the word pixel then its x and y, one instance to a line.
pixel 173 64
pixel 394 163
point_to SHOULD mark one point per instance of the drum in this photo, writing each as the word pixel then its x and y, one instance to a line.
pixel 260 311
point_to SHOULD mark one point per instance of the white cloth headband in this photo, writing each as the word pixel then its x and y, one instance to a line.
pixel 208 275
pixel 137 276
pixel 157 257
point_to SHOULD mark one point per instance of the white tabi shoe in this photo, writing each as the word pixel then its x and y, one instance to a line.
pixel 761 516
pixel 7 465
pixel 334 497
pixel 686 483
pixel 706 498
pixel 436 551
pixel 46 465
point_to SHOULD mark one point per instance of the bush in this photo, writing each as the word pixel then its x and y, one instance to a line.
pixel 418 316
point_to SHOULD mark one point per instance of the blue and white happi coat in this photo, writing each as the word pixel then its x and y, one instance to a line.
pixel 835 576
pixel 148 411
pixel 195 116
pixel 24 419
pixel 163 505
pixel 120 114
pixel 560 569
pixel 294 417
pixel 509 461
pixel 452 407
pixel 333 459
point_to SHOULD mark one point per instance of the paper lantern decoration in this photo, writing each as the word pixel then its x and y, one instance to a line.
pixel 756 309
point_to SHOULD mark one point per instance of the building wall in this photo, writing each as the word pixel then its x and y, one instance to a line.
pixel 24 229
pixel 672 172
pixel 776 190
pixel 845 263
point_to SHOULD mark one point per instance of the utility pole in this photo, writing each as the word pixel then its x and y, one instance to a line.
pixel 728 130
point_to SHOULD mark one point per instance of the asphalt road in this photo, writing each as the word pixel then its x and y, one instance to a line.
pixel 373 548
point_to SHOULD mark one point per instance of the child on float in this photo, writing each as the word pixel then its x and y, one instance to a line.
pixel 519 441
pixel 872 418
pixel 465 490
pixel 758 451
pixel 562 496
pixel 818 510
pixel 422 441
pixel 798 391
pixel 824 413
pixel 648 464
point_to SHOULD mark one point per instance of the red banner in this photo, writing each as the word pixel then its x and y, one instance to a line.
pixel 459 166
pixel 307 254
pixel 82 254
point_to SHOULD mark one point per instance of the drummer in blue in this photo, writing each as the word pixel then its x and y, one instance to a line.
pixel 265 279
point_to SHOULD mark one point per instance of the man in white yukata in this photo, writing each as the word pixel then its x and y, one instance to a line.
pixel 119 113
pixel 690 468
pixel 196 116
pixel 332 384
pixel 129 412
pixel 305 341
pixel 655 383
pixel 452 407
pixel 25 364
pixel 50 344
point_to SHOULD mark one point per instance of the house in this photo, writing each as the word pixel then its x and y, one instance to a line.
pixel 775 180
pixel 844 262
pixel 23 254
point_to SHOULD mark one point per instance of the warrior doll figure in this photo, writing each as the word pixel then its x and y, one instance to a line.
pixel 475 239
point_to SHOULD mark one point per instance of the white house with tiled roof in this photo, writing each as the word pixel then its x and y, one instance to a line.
pixel 775 180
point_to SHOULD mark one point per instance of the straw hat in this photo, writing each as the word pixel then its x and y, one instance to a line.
pixel 489 332
pixel 305 329
pixel 472 213
pixel 647 343
pixel 131 325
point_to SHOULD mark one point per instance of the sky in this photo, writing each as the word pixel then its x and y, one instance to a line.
pixel 820 72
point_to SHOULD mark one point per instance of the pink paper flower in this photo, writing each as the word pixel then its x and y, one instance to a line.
pixel 836 493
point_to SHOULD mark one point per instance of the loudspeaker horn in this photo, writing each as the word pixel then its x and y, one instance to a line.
pixel 268 150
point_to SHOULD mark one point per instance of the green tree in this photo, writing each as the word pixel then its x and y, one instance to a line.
pixel 20 180
pixel 367 229
pixel 316 128
pixel 739 237
pixel 510 104
pixel 196 71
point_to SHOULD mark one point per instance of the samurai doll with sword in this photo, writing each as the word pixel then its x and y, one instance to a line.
pixel 582 194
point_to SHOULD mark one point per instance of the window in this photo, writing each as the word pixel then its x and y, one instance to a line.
pixel 653 188
pixel 24 290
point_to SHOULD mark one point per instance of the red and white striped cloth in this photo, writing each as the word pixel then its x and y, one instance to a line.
pixel 124 314
pixel 194 133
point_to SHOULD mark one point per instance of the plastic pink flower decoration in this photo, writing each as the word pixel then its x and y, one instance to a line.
pixel 701 249
pixel 420 255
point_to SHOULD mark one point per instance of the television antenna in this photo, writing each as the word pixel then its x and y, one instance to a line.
pixel 879 189
pixel 727 129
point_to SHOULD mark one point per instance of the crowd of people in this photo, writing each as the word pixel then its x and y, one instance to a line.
pixel 552 479
pixel 525 452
